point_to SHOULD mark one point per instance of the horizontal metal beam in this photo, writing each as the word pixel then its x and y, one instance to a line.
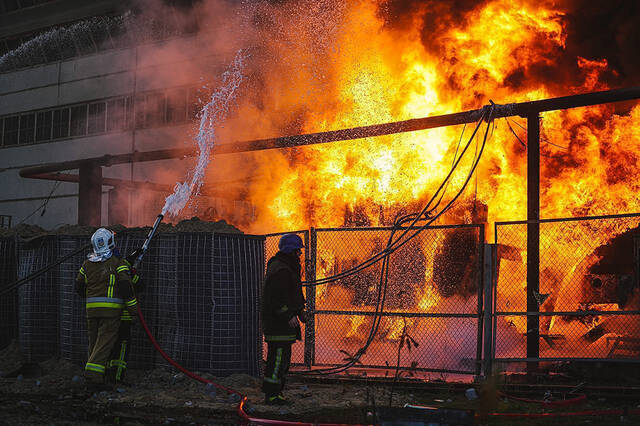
pixel 211 191
pixel 576 101
pixel 109 160
pixel 508 110
pixel 500 111
pixel 396 314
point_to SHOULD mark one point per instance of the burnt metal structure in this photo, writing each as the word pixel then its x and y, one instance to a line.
pixel 507 235
pixel 529 110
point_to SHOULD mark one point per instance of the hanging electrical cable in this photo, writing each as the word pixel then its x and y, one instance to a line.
pixel 414 218
pixel 486 116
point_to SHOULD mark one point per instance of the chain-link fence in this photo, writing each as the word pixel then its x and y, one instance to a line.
pixel 587 300
pixel 38 300
pixel 432 295
pixel 587 297
pixel 219 286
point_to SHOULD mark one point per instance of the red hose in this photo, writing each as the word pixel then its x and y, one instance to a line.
pixel 178 366
pixel 247 419
pixel 243 398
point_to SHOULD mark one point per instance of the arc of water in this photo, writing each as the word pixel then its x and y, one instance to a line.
pixel 211 115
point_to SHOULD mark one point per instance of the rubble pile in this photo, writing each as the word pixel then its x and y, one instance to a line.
pixel 28 232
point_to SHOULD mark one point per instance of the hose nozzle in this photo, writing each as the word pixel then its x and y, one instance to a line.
pixel 145 246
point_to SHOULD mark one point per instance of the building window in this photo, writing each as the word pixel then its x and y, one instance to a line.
pixel 138 110
pixel 43 126
pixel 78 120
pixel 27 128
pixel 177 106
pixel 154 110
pixel 61 123
pixel 5 221
pixel 11 131
pixel 96 118
pixel 116 119
pixel 193 102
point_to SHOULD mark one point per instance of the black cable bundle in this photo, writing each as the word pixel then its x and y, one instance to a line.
pixel 427 215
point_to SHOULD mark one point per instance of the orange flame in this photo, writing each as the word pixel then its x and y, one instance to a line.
pixel 348 66
pixel 367 71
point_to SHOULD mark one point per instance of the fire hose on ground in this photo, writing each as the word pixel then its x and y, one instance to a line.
pixel 260 421
pixel 243 398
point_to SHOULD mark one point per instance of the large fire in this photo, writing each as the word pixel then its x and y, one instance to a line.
pixel 330 65
pixel 362 68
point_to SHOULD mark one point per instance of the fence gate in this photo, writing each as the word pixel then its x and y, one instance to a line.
pixel 433 294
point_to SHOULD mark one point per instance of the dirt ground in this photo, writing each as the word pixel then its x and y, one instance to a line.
pixel 54 392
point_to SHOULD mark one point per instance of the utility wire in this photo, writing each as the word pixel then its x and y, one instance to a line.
pixel 525 145
pixel 486 115
pixel 384 273
pixel 43 205
pixel 542 139
pixel 14 285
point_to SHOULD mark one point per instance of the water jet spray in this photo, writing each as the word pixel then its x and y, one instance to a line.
pixel 210 115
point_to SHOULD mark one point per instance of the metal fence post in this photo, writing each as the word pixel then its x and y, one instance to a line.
pixel 311 244
pixel 533 240
pixel 488 265
pixel 481 284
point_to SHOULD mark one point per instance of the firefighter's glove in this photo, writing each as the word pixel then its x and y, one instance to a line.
pixel 302 316
pixel 293 322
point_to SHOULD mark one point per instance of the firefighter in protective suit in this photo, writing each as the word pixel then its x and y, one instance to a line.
pixel 105 282
pixel 282 306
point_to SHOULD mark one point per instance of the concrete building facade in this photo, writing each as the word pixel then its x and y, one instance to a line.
pixel 88 91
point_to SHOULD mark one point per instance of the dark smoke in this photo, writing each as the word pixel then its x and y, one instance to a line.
pixel 595 30
pixel 609 30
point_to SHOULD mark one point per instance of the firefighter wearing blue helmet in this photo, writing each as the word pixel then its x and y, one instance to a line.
pixel 282 307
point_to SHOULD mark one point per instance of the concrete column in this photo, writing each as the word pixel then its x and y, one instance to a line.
pixel 90 195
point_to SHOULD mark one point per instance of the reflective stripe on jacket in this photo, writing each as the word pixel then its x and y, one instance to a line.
pixel 107 287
